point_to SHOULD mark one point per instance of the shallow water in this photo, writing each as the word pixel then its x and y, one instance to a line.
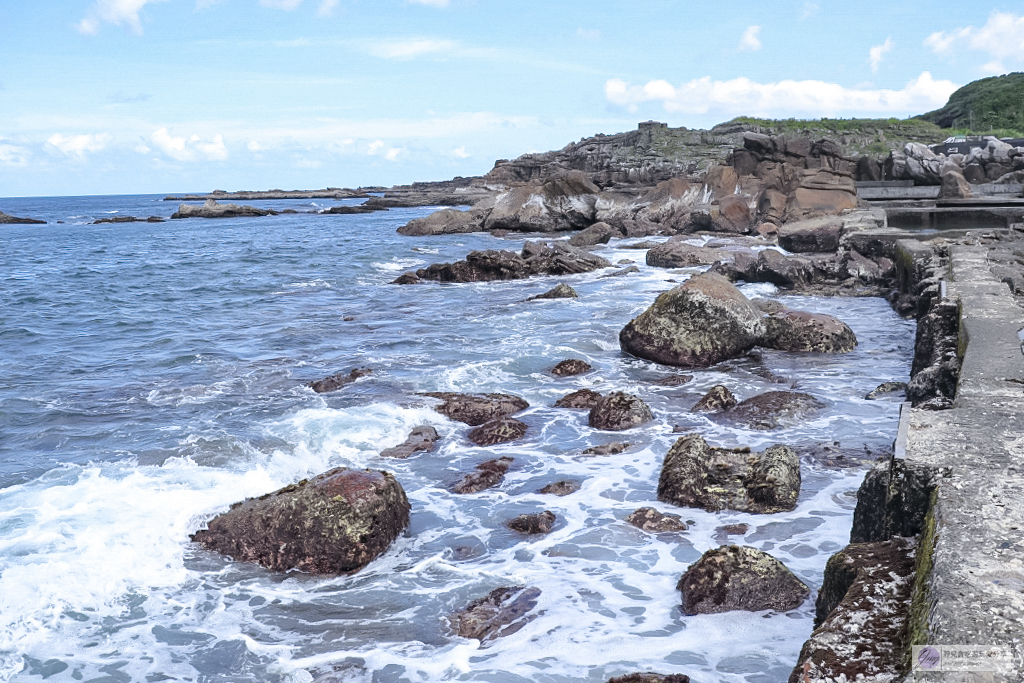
pixel 152 374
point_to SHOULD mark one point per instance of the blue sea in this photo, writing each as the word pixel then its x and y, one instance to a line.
pixel 151 374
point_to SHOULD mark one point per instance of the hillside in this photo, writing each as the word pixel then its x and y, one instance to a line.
pixel 993 104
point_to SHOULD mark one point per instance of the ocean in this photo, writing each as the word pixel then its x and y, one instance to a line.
pixel 151 374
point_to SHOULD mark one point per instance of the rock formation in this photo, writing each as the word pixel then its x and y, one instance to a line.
pixel 618 411
pixel 212 209
pixel 501 612
pixel 421 438
pixel 498 430
pixel 557 258
pixel 11 220
pixel 476 409
pixel 739 578
pixel 487 475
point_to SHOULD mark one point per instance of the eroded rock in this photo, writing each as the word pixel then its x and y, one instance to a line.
pixel 421 438
pixel 618 411
pixel 335 523
pixel 584 399
pixel 650 519
pixel 695 474
pixel 501 612
pixel 487 475
pixel 476 409
pixel 739 578
pixel 499 430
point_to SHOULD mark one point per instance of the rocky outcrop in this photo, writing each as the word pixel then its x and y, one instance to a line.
pixel 535 523
pixel 499 430
pixel 559 291
pixel 476 409
pixel 583 399
pixel 351 210
pixel 739 578
pixel 558 258
pixel 562 202
pixel 862 615
pixel 113 219
pixel 718 398
pixel 816 235
pixel 560 488
pixel 253 195
pixel 570 367
pixel 935 372
pixel 212 209
pixel 598 233
pixel 813 332
pixel 651 520
pixel 445 222
pixel 886 389
pixel 618 411
pixel 695 474
pixel 678 254
pixel 772 409
pixel 892 501
pixel 6 219
pixel 487 475
pixel 421 438
pixel 335 523
pixel 500 613
pixel 337 381
pixel 702 322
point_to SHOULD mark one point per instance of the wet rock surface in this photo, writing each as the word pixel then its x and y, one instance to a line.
pixel 618 411
pixel 557 258
pixel 583 399
pixel 560 488
pixel 862 612
pixel 718 398
pixel 335 523
pixel 500 613
pixel 421 438
pixel 571 366
pixel 476 409
pixel 487 475
pixel 498 430
pixel 702 322
pixel 613 448
pixel 739 578
pixel 886 390
pixel 535 523
pixel 677 254
pixel 650 519
pixel 695 474
pixel 598 233
pixel 212 209
pixel 648 677
pixel 337 381
pixel 120 219
pixel 560 291
pixel 674 380
pixel 936 369
pixel 6 219
pixel 809 332
pixel 772 410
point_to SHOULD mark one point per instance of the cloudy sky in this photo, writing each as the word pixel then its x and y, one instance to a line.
pixel 133 96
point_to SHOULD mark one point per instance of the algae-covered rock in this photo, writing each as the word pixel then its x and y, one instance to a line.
pixel 584 399
pixel 475 409
pixel 699 323
pixel 335 523
pixel 739 578
pixel 695 474
pixel 571 366
pixel 618 411
pixel 718 398
pixel 534 523
pixel 814 332
pixel 650 519
pixel 772 409
pixel 498 430
pixel 560 488
pixel 501 612
pixel 487 475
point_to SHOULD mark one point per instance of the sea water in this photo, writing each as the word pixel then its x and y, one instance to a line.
pixel 151 374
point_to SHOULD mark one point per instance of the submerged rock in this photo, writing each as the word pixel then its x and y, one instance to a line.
pixel 337 381
pixel 739 578
pixel 488 474
pixel 560 291
pixel 772 409
pixel 335 523
pixel 119 219
pixel 699 323
pixel 814 332
pixel 584 399
pixel 674 380
pixel 650 519
pixel 649 677
pixel 695 474
pixel 571 366
pixel 537 523
pixel 561 488
pixel 475 409
pixel 501 612
pixel 886 389
pixel 498 430
pixel 613 448
pixel 718 398
pixel 618 411
pixel 421 438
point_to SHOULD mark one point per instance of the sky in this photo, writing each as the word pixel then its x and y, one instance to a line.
pixel 158 96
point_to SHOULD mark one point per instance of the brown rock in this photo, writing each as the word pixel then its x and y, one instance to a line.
pixel 498 430
pixel 734 213
pixel 571 366
pixel 445 222
pixel 773 409
pixel 475 409
pixel 560 291
pixel 650 519
pixel 814 235
pixel 561 488
pixel 676 254
pixel 813 332
pixel 739 578
pixel 618 411
pixel 718 398
pixel 421 438
pixel 538 523
pixel 955 186
pixel 598 233
pixel 584 399
pixel 722 180
pixel 335 382
pixel 488 474
pixel 501 612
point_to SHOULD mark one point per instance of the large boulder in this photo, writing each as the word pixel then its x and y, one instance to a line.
pixel 501 612
pixel 421 438
pixel 954 185
pixel 773 409
pixel 563 202
pixel 739 578
pixel 676 254
pixel 814 235
pixel 487 475
pixel 820 192
pixel 702 322
pixel 801 331
pixel 476 409
pixel 734 213
pixel 213 209
pixel 499 430
pixel 618 411
pixel 445 222
pixel 335 523
pixel 598 233
pixel 695 474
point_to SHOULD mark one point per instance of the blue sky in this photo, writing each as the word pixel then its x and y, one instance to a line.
pixel 132 96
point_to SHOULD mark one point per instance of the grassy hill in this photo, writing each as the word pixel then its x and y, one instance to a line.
pixel 857 136
pixel 989 106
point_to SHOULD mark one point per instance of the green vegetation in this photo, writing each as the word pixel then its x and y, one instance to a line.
pixel 857 136
pixel 991 106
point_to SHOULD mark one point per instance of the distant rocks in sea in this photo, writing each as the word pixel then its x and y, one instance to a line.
pixel 8 219
pixel 250 195
pixel 212 209
pixel 536 258
pixel 337 381
pixel 128 219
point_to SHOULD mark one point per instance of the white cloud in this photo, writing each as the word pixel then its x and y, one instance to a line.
pixel 994 68
pixel 327 7
pixel 809 10
pixel 117 12
pixel 13 155
pixel 190 148
pixel 142 148
pixel 749 42
pixel 203 4
pixel 877 52
pixel 589 33
pixel 782 99
pixel 430 3
pixel 286 5
pixel 378 148
pixel 78 146
pixel 409 49
pixel 460 152
pixel 254 146
pixel 1002 38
